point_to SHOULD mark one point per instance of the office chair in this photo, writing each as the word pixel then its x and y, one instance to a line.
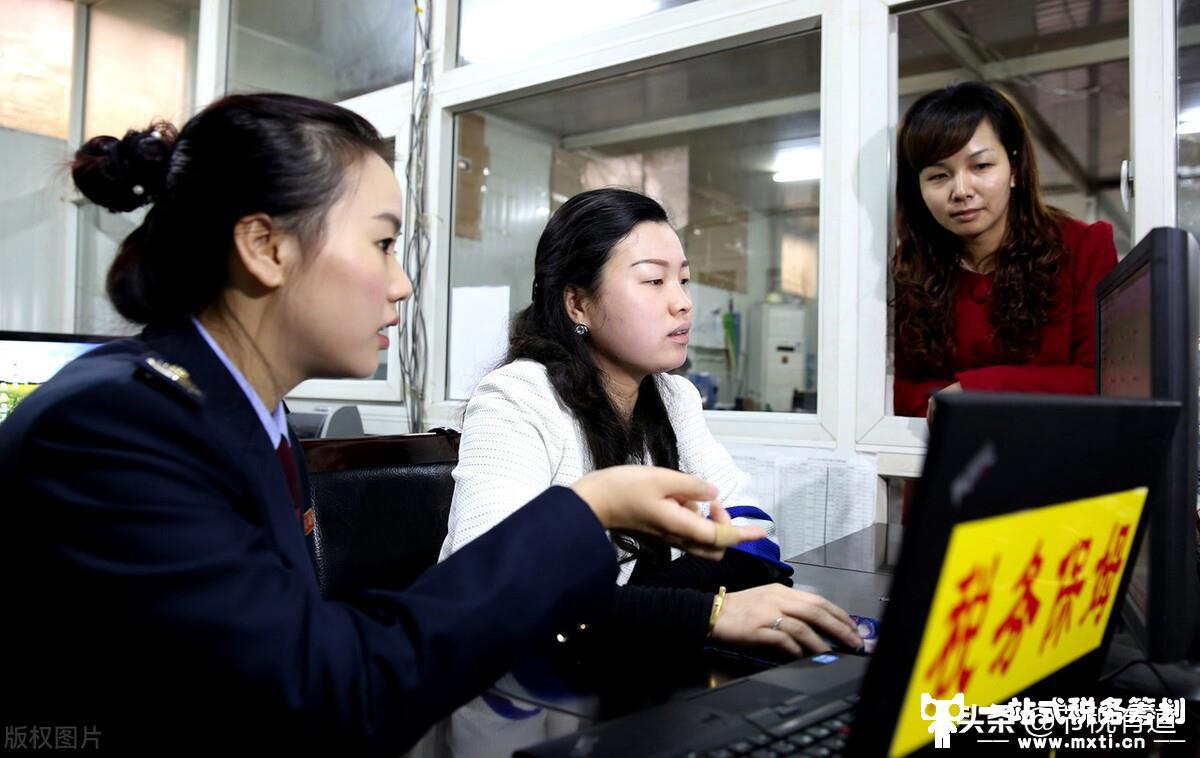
pixel 380 507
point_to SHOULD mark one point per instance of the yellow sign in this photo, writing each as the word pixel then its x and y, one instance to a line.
pixel 1019 597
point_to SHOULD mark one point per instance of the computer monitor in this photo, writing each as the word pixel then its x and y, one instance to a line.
pixel 28 359
pixel 1147 319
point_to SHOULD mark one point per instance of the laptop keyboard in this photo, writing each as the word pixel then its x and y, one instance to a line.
pixel 782 730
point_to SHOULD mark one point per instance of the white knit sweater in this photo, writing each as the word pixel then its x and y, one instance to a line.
pixel 518 439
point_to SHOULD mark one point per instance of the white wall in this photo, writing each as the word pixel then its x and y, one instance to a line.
pixel 33 233
pixel 100 233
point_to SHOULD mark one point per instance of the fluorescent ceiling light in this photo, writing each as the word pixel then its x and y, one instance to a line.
pixel 1189 121
pixel 798 164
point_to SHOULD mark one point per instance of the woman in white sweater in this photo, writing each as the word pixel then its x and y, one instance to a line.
pixel 584 387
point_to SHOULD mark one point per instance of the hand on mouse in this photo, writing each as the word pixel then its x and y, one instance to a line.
pixel 782 617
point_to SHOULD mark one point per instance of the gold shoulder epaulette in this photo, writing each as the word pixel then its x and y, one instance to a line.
pixel 173 376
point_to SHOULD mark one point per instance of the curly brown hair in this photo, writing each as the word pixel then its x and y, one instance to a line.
pixel 927 255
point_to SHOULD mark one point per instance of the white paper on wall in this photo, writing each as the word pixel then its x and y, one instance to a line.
pixel 478 336
pixel 815 495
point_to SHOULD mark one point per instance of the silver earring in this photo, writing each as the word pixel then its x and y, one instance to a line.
pixel 581 330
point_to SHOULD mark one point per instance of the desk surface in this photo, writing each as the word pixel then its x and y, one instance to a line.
pixel 854 572
pixel 875 549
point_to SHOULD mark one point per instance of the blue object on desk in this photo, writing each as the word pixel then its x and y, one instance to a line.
pixel 868 629
pixel 707 384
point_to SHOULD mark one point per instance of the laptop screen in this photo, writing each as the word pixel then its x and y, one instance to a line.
pixel 1020 596
pixel 1019 545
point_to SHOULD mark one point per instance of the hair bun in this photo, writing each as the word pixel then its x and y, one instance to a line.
pixel 125 174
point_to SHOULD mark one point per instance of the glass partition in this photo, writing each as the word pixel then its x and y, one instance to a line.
pixel 728 142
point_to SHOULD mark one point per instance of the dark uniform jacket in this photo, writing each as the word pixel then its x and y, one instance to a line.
pixel 159 591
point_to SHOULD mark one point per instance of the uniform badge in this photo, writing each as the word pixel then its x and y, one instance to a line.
pixel 309 522
pixel 176 375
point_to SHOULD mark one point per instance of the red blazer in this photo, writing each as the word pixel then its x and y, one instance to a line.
pixel 1065 364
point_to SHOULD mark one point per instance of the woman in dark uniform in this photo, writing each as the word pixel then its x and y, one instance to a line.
pixel 160 590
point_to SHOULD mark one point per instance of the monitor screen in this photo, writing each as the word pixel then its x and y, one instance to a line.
pixel 1147 317
pixel 28 360
pixel 1125 338
pixel 1126 370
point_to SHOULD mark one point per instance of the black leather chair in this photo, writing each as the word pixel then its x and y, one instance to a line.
pixel 380 506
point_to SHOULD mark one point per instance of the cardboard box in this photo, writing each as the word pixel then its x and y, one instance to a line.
pixel 471 158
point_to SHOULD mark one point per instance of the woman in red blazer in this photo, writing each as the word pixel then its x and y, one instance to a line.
pixel 994 290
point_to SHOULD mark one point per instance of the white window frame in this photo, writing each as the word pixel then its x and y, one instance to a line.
pixel 858 102
pixel 686 31
pixel 1154 57
pixel 899 440
pixel 75 127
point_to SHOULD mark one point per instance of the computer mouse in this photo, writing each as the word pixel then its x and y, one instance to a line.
pixel 868 630
pixel 837 646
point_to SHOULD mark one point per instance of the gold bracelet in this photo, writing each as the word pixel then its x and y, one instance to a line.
pixel 718 601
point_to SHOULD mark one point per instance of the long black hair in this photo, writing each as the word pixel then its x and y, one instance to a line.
pixel 281 155
pixel 571 252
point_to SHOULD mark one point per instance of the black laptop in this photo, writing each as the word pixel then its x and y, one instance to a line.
pixel 1014 558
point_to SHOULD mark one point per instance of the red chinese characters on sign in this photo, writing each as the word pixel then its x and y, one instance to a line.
pixel 1070 585
pixel 953 667
pixel 1023 612
pixel 1108 570
pixel 950 671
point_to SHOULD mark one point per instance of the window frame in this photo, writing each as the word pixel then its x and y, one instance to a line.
pixel 900 441
pixel 858 55
pixel 687 31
